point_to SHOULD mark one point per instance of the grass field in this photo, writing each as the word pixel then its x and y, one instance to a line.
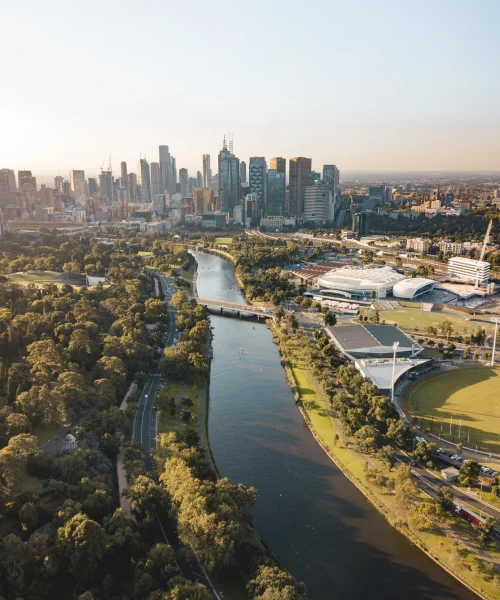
pixel 144 254
pixel 409 318
pixel 460 405
pixel 227 241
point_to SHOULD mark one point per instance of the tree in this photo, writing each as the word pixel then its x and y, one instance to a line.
pixel 83 542
pixel 469 472
pixel 425 516
pixel 188 590
pixel 485 529
pixel 426 452
pixel 330 319
pixel 155 308
pixel 406 491
pixel 272 583
pixel 446 327
pixel 445 499
pixel 279 313
pixel 294 324
pixel 146 498
pixel 387 455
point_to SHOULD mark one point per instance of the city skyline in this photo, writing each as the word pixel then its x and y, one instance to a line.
pixel 400 87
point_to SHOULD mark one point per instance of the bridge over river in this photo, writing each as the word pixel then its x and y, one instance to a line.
pixel 233 306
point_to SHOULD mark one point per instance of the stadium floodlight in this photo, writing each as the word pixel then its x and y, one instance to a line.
pixel 394 347
pixel 495 320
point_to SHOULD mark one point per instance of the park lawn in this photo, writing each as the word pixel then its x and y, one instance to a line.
pixel 44 433
pixel 42 276
pixel 166 421
pixel 225 241
pixel 410 318
pixel 31 484
pixel 192 391
pixel 144 254
pixel 187 274
pixel 460 405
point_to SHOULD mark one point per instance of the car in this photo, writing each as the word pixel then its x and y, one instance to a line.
pixel 485 470
pixel 145 396
pixel 454 457
pixel 441 451
pixel 494 473
pixel 153 407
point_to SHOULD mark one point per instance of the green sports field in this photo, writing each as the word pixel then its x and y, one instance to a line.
pixel 460 405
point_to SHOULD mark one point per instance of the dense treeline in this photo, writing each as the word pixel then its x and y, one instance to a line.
pixel 67 355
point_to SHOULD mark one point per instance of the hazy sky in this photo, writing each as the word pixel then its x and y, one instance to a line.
pixel 386 84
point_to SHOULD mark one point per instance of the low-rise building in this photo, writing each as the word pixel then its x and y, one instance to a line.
pixel 467 269
pixel 452 247
pixel 418 244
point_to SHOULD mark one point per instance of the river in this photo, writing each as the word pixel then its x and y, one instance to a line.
pixel 317 523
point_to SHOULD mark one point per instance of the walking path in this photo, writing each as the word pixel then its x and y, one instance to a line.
pixel 120 467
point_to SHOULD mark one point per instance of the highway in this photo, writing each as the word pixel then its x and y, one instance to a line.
pixel 144 433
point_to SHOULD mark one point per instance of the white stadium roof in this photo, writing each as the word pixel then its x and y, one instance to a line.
pixel 409 288
pixel 372 277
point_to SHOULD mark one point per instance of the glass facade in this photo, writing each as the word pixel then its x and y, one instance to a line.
pixel 275 193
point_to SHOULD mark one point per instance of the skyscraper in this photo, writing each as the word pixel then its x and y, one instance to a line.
pixel 167 181
pixel 299 178
pixel 7 186
pixel 276 186
pixel 258 182
pixel 199 179
pixel 92 186
pixel 78 183
pixel 27 185
pixel 207 172
pixel 183 180
pixel 192 184
pixel 155 180
pixel 229 179
pixel 278 164
pixel 144 181
pixel 132 187
pixel 106 186
pixel 319 203
pixel 243 172
pixel 58 183
pixel 124 174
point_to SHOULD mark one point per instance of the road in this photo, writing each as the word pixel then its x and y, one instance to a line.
pixel 144 433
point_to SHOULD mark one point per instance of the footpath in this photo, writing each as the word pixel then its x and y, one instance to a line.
pixel 120 467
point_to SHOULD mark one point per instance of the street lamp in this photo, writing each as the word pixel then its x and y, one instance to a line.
pixel 495 320
pixel 394 347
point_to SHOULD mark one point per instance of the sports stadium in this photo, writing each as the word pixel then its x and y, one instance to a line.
pixel 360 282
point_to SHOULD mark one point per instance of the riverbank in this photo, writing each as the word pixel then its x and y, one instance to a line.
pixel 452 545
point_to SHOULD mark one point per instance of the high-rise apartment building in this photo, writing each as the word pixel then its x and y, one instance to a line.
pixel 243 172
pixel 124 175
pixel 7 186
pixel 144 181
pixel 276 187
pixel 257 179
pixel 106 186
pixel 78 183
pixel 199 179
pixel 319 203
pixel 278 164
pixel 229 179
pixel 155 179
pixel 203 200
pixel 183 180
pixel 192 184
pixel 299 178
pixel 332 174
pixel 58 183
pixel 207 172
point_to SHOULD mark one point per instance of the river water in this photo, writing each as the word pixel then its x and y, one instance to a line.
pixel 318 525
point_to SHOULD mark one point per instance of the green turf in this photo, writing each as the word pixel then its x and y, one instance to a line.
pixel 144 253
pixel 226 241
pixel 44 433
pixel 467 396
pixel 409 318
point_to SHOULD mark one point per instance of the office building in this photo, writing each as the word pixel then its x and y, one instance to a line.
pixel 243 172
pixel 315 176
pixel 124 175
pixel 299 178
pixel 418 244
pixel 278 164
pixel 78 183
pixel 199 179
pixel 46 196
pixel 469 270
pixel 183 180
pixel 203 200
pixel 192 184
pixel 106 186
pixel 319 203
pixel 360 224
pixel 332 175
pixel 229 179
pixel 257 179
pixel 249 204
pixel 207 172
pixel 167 182
pixel 387 194
pixel 174 171
pixel 144 181
pixel 276 187
pixel 7 186
pixel 132 187
pixel 27 186
pixel 155 179
pixel 92 186
pixel 376 194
